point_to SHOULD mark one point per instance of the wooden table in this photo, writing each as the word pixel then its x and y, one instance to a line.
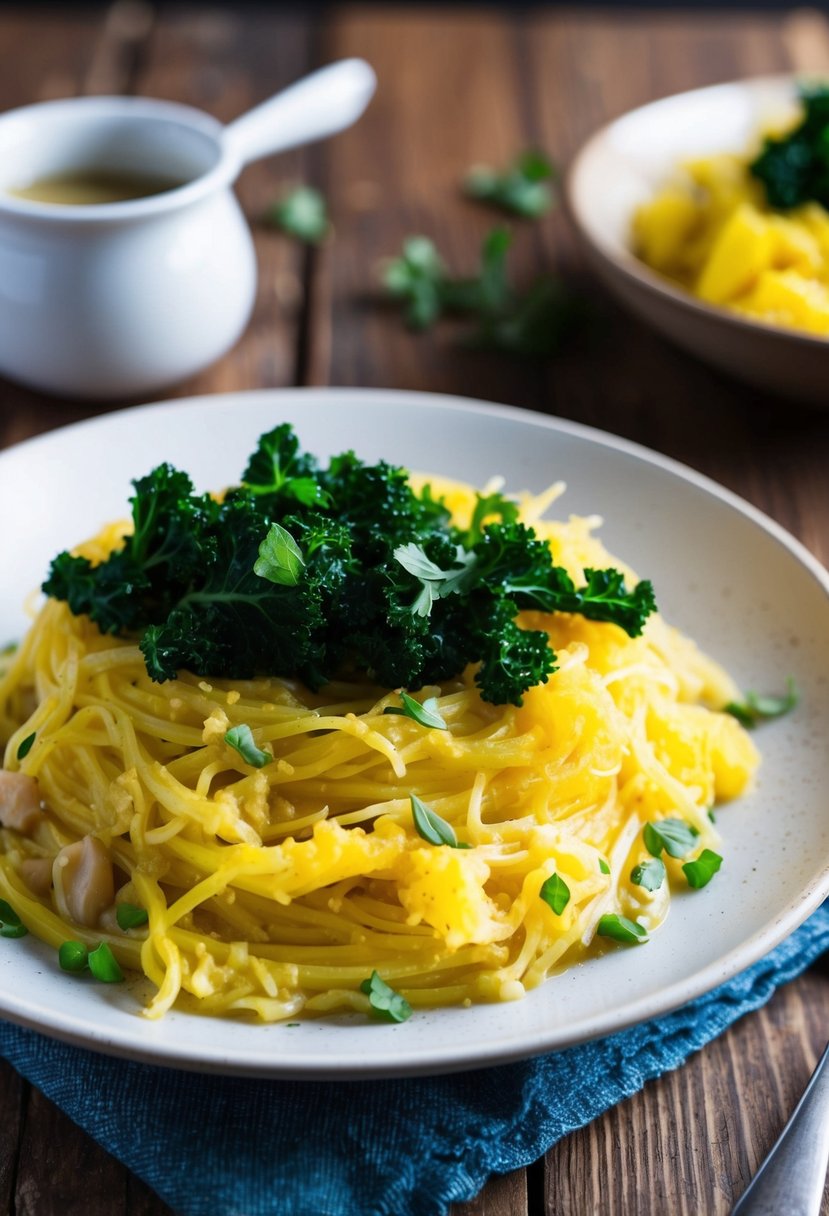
pixel 459 87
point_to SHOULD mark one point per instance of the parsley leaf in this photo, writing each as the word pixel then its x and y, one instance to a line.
pixel 26 746
pixel 130 916
pixel 522 189
pixel 758 708
pixel 384 1000
pixel 700 871
pixel 431 827
pixel 531 324
pixel 280 558
pixel 426 714
pixel 104 965
pixel 555 893
pixel 675 836
pixel 301 213
pixel 603 866
pixel 73 956
pixel 620 929
pixel 10 923
pixel 435 583
pixel 649 874
pixel 240 738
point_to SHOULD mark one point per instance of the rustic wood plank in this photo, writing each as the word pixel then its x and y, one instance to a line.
pixel 504 1195
pixel 12 1100
pixel 449 96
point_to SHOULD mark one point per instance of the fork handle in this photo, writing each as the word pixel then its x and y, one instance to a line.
pixel 791 1179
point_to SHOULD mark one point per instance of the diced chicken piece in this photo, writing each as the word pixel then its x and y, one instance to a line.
pixel 19 802
pixel 84 881
pixel 36 872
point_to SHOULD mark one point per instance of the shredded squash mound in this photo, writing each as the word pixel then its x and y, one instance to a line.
pixel 278 890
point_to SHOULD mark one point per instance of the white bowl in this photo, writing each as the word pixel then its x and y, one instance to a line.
pixel 624 164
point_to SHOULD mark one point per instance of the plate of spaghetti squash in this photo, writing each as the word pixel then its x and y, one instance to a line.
pixel 355 733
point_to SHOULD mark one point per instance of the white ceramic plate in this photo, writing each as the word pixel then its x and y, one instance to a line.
pixel 746 591
pixel 624 164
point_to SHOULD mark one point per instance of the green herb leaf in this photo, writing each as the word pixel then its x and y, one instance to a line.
pixel 435 582
pixel 620 929
pixel 26 746
pixel 417 277
pixel 757 708
pixel 675 836
pixel 280 558
pixel 240 738
pixel 104 965
pixel 130 916
pixel 73 956
pixel 384 1000
pixel 426 714
pixel 700 871
pixel 431 827
pixel 649 874
pixel 486 506
pixel 301 213
pixel 10 923
pixel 522 189
pixel 603 866
pixel 555 893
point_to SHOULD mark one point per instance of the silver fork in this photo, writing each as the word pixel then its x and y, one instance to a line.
pixel 791 1179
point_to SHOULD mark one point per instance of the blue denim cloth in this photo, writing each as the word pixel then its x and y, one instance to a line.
pixel 213 1146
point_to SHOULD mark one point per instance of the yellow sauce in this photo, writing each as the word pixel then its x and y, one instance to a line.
pixel 87 187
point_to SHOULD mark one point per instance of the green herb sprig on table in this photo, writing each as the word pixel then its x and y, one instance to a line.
pixel 362 574
pixel 794 168
pixel 524 188
pixel 532 323
pixel 302 213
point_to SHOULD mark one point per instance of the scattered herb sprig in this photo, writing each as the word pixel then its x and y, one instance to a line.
pixel 360 573
pixel 425 714
pixel 530 323
pixel 10 923
pixel 758 708
pixel 431 826
pixel 26 746
pixel 522 189
pixel 384 1000
pixel 76 957
pixel 302 213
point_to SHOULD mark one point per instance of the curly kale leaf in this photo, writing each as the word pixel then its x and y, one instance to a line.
pixel 312 573
pixel 794 169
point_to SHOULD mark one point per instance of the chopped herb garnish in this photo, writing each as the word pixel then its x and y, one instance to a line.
pixel 104 965
pixel 649 874
pixel 431 827
pixel 522 189
pixel 794 168
pixel 384 1000
pixel 425 715
pixel 711 814
pixel 700 871
pixel 240 738
pixel 8 648
pixel 676 836
pixel 10 923
pixel 758 708
pixel 291 1025
pixel 301 213
pixel 26 746
pixel 531 323
pixel 73 956
pixel 280 558
pixel 390 588
pixel 129 916
pixel 603 866
pixel 555 893
pixel 620 929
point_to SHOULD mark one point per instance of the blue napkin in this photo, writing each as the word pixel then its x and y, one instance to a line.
pixel 213 1146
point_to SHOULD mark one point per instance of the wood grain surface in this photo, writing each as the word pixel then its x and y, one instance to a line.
pixel 459 86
